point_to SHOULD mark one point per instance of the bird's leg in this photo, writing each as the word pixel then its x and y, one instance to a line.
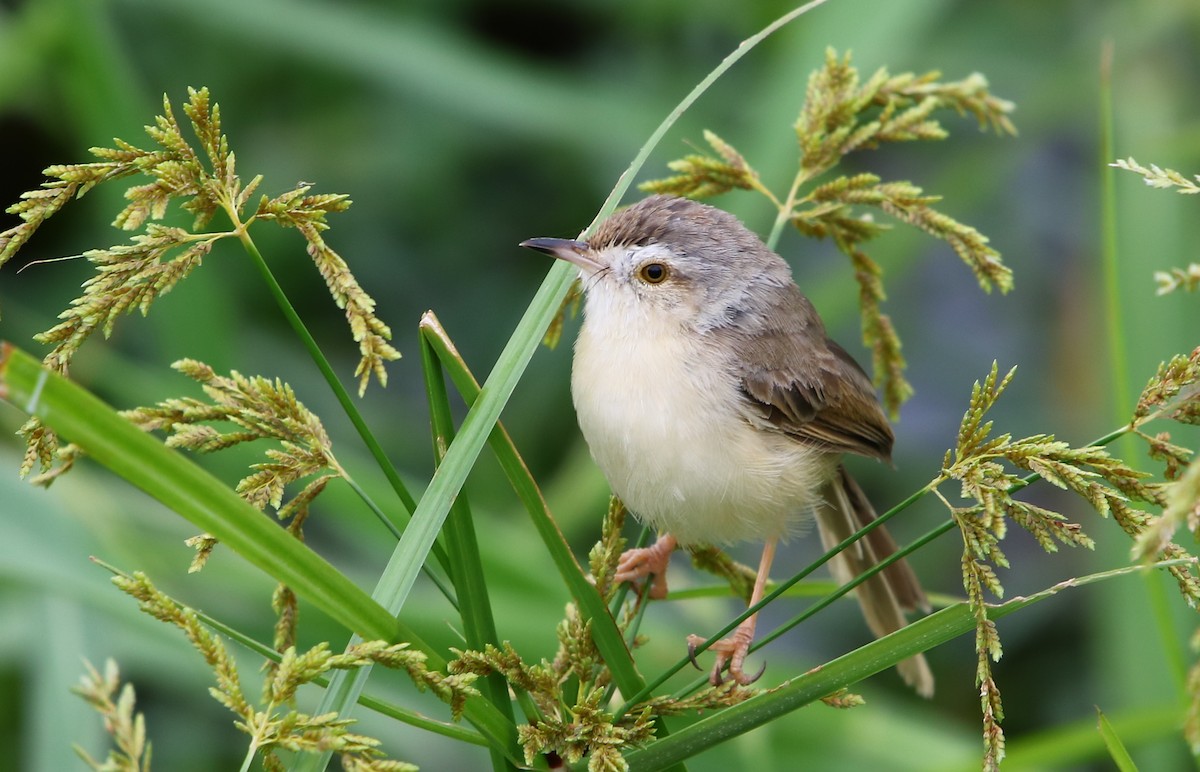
pixel 733 650
pixel 641 562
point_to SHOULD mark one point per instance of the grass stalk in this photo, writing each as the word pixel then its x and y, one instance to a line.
pixel 479 625
pixel 1122 400
pixel 339 391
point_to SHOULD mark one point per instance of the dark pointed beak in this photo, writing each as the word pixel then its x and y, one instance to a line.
pixel 575 252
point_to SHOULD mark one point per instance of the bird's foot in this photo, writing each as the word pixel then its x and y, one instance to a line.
pixel 729 651
pixel 637 564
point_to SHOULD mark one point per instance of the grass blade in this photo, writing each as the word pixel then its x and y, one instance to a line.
pixel 1078 743
pixel 1116 748
pixel 470 586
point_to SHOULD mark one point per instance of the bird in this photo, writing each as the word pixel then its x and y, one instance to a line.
pixel 719 410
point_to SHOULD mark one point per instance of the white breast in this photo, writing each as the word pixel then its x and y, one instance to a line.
pixel 669 436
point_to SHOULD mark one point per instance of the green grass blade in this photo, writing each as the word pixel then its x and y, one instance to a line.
pixel 920 636
pixel 1114 315
pixel 1114 324
pixel 1116 748
pixel 399 575
pixel 470 585
pixel 187 489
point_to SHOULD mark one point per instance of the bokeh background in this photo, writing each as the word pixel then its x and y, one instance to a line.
pixel 460 127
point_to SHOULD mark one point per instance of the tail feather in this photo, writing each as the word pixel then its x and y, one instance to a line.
pixel 886 596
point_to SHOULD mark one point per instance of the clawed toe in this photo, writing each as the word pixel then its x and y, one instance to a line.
pixel 729 652
pixel 746 682
pixel 640 563
pixel 693 641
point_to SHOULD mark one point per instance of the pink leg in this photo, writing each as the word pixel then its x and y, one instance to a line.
pixel 639 563
pixel 733 650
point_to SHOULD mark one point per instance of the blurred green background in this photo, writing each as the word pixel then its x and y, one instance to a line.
pixel 460 127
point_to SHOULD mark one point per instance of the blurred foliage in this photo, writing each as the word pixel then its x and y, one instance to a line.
pixel 461 127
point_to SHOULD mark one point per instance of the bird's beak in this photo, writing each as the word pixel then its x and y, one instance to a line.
pixel 575 252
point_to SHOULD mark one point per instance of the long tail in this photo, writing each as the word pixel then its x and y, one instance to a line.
pixel 887 595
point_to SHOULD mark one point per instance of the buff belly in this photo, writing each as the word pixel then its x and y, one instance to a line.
pixel 677 447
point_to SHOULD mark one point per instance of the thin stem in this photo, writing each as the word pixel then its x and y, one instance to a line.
pixel 347 403
pixel 442 585
pixel 479 627
pixel 1114 327
pixel 1174 651
pixel 756 184
pixel 785 211
pixel 855 582
pixel 639 160
pixel 604 628
pixel 343 397
pixel 251 752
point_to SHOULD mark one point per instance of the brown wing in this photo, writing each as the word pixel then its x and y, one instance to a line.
pixel 807 386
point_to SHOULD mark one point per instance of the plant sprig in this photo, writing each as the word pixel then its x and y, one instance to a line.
pixel 1174 393
pixel 1187 279
pixel 262 409
pixel 843 114
pixel 572 690
pixel 980 463
pixel 127 729
pixel 274 724
pixel 1158 177
pixel 132 276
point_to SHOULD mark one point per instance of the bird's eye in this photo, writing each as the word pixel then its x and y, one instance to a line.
pixel 653 273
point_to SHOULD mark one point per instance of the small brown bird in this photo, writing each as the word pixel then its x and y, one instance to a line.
pixel 718 409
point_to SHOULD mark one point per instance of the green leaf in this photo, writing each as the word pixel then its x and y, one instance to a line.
pixel 1112 742
pixel 470 584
